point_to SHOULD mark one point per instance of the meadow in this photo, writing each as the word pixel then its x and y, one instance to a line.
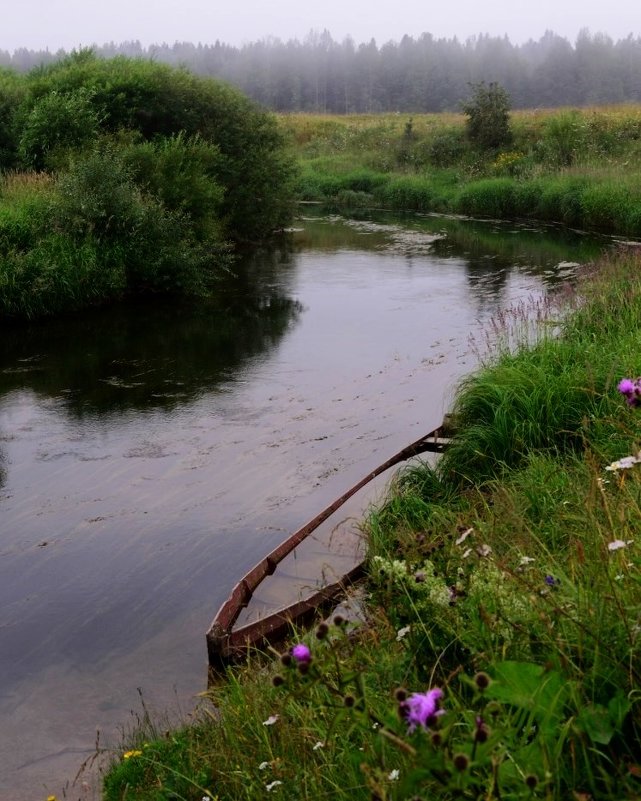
pixel 579 167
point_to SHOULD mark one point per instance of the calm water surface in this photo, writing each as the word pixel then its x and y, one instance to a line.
pixel 150 455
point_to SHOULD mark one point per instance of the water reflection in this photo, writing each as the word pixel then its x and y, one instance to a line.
pixel 153 355
pixel 490 251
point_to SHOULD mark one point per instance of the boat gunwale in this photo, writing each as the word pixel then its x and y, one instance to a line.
pixel 224 644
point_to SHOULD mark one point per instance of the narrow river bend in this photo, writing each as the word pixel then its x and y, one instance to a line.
pixel 149 455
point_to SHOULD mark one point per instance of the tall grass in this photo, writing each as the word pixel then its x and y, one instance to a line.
pixel 579 167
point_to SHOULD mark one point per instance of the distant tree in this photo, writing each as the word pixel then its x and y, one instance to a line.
pixel 488 116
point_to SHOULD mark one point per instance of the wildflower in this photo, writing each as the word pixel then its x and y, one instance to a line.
pixel 318 745
pixel 270 720
pixel 460 540
pixel 461 762
pixel 631 390
pixel 482 680
pixel 551 581
pixel 264 765
pixel 286 659
pixel 625 463
pixel 626 386
pixel 402 632
pixel 481 732
pixel 393 775
pixel 618 544
pixel 422 709
pixel 133 753
pixel 484 550
pixel 526 560
pixel 302 654
pixel 269 787
pixel 51 798
pixel 322 630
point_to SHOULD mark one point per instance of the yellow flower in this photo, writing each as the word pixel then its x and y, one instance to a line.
pixel 134 753
pixel 51 798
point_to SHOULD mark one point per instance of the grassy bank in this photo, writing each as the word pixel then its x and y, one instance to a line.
pixel 579 167
pixel 502 656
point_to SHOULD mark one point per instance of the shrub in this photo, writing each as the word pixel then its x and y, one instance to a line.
pixel 446 148
pixel 181 173
pixel 156 100
pixel 487 110
pixel 55 124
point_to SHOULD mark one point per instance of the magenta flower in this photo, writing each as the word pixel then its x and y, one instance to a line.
pixel 301 653
pixel 422 709
pixel 631 390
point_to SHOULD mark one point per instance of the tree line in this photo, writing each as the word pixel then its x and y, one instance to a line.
pixel 423 74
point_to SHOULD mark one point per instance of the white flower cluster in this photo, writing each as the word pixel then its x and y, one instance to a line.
pixel 418 580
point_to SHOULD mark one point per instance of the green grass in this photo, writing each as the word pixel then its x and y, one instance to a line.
pixel 508 575
pixel 578 167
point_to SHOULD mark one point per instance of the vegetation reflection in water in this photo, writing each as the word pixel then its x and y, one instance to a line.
pixel 152 354
pixel 161 353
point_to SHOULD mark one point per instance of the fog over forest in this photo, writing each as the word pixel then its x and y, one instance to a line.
pixel 421 74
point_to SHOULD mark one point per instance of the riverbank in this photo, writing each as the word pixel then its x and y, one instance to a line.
pixel 579 167
pixel 504 582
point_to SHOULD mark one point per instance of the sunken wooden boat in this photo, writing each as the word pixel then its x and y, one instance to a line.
pixel 312 568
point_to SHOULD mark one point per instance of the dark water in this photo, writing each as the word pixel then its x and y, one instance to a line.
pixel 149 455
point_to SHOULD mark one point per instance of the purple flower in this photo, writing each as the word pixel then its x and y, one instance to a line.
pixel 301 653
pixel 631 390
pixel 626 386
pixel 551 581
pixel 422 709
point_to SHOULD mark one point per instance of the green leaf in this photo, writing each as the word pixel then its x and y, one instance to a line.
pixel 595 721
pixel 618 708
pixel 531 687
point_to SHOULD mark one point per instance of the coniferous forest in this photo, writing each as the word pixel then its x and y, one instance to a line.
pixel 418 74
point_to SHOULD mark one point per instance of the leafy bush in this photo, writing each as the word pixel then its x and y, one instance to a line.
pixel 98 199
pixel 55 124
pixel 156 100
pixel 488 113
pixel 181 173
pixel 446 148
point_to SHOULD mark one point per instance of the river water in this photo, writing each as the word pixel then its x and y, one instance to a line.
pixel 151 454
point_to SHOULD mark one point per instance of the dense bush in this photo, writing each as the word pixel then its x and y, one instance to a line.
pixel 155 101
pixel 488 116
pixel 54 125
pixel 151 170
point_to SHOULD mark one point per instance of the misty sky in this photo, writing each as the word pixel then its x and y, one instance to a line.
pixel 40 24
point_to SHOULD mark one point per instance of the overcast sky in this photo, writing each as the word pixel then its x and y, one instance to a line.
pixel 39 24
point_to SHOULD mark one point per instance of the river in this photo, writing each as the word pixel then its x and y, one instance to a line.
pixel 150 454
